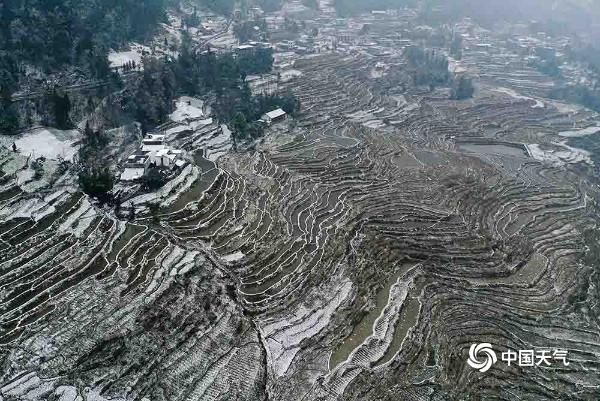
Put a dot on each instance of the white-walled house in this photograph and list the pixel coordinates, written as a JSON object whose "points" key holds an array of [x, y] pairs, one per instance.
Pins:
{"points": [[164, 158], [153, 152]]}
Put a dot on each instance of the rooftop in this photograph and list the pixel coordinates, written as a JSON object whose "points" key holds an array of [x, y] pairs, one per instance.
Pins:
{"points": [[275, 113]]}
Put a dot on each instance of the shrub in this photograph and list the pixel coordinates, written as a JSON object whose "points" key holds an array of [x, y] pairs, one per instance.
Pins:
{"points": [[97, 182]]}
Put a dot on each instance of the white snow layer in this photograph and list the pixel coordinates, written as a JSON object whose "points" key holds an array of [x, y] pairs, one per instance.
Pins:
{"points": [[515, 95], [568, 155], [80, 220], [580, 132], [283, 337], [234, 257], [187, 108], [49, 143]]}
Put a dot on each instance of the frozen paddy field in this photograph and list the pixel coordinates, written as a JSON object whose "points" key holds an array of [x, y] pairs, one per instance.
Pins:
{"points": [[44, 142], [360, 249]]}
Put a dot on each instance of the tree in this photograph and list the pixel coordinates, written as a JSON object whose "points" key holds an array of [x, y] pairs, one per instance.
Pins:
{"points": [[150, 98], [93, 144], [131, 211], [38, 167], [97, 182], [9, 119], [426, 66], [51, 33], [154, 209], [153, 179], [456, 47], [61, 107], [246, 31], [239, 125], [258, 61], [462, 88]]}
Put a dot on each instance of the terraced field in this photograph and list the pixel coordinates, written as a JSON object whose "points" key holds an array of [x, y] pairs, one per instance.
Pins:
{"points": [[356, 254]]}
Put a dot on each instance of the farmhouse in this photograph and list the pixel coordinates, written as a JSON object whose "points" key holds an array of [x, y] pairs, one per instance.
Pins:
{"points": [[153, 142], [164, 158], [153, 152], [274, 116]]}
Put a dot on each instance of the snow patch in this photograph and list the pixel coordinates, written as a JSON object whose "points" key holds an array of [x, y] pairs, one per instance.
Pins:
{"points": [[187, 108], [166, 189], [217, 144], [193, 126], [283, 337], [29, 387], [579, 133], [120, 58], [515, 95], [234, 257], [33, 208], [67, 393], [454, 66], [288, 75], [49, 143], [80, 220], [557, 158], [25, 176]]}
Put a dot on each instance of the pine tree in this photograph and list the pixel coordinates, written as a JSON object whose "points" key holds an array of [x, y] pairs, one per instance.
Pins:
{"points": [[61, 106]]}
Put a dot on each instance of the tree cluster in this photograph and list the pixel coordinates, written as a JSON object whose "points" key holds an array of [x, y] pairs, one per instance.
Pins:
{"points": [[96, 181], [9, 118], [61, 107], [427, 67], [223, 7], [257, 61], [95, 176], [244, 122], [547, 62], [130, 66], [149, 99], [153, 179], [246, 31], [455, 47], [588, 96], [52, 33], [462, 88], [192, 20]]}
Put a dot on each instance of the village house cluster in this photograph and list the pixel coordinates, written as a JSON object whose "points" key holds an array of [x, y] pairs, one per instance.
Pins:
{"points": [[153, 153]]}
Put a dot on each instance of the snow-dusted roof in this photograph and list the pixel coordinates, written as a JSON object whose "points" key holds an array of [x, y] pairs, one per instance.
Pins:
{"points": [[275, 114], [153, 148]]}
